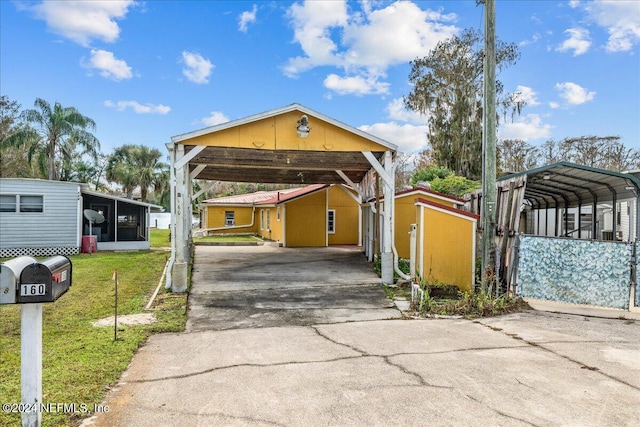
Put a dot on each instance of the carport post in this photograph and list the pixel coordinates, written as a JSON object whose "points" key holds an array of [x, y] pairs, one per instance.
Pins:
{"points": [[179, 210], [387, 175]]}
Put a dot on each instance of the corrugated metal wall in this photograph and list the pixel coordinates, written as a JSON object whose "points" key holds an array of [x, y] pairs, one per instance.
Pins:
{"points": [[56, 227]]}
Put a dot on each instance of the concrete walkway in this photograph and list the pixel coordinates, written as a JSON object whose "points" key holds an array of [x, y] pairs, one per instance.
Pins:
{"points": [[525, 369]]}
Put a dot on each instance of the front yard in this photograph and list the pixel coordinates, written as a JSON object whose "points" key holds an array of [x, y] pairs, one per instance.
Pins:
{"points": [[80, 361]]}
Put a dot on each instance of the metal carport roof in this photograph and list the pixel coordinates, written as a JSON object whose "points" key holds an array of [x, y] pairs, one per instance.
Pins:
{"points": [[566, 184]]}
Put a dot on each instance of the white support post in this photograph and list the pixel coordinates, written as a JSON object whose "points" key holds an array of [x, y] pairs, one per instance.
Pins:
{"points": [[31, 362], [385, 171], [412, 251], [179, 270]]}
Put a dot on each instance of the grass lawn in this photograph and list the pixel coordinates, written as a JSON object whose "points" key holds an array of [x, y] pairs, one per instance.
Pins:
{"points": [[159, 238], [80, 362]]}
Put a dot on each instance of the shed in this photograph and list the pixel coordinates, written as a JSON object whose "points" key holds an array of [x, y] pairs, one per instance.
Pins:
{"points": [[446, 244], [42, 218], [405, 213]]}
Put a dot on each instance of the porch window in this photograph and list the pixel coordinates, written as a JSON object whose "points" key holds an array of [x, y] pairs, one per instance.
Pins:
{"points": [[229, 219], [268, 220], [261, 219], [331, 221]]}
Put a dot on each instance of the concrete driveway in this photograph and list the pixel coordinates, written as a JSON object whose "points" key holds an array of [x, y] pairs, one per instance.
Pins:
{"points": [[260, 286], [525, 369]]}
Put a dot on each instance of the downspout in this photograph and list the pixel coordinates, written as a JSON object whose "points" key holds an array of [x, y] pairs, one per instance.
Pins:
{"points": [[392, 207], [400, 273]]}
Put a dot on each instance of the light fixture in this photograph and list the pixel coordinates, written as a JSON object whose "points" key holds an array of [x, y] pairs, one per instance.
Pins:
{"points": [[303, 127]]}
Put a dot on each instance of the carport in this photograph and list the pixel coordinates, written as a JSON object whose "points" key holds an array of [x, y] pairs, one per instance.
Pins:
{"points": [[288, 145], [562, 223]]}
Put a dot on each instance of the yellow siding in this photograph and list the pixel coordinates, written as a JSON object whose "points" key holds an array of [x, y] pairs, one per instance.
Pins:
{"points": [[279, 133], [215, 217], [448, 253], [346, 217], [275, 225], [307, 221], [405, 215]]}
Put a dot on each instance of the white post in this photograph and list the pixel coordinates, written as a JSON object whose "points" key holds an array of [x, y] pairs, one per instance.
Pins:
{"points": [[180, 266], [387, 244], [412, 251], [31, 362]]}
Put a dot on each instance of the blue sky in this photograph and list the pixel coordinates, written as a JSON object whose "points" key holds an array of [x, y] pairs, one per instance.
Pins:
{"points": [[148, 70]]}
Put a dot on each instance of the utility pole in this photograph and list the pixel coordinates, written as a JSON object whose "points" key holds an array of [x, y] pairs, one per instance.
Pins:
{"points": [[489, 193]]}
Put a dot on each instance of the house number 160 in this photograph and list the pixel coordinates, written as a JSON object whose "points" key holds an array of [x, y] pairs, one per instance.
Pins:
{"points": [[32, 290]]}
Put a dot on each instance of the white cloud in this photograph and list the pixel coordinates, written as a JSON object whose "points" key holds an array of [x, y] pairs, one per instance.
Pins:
{"points": [[527, 128], [574, 94], [574, 3], [554, 105], [247, 18], [357, 85], [137, 107], [363, 44], [527, 95], [578, 41], [83, 21], [409, 138], [197, 69], [215, 118], [397, 111], [621, 19], [410, 135], [109, 66]]}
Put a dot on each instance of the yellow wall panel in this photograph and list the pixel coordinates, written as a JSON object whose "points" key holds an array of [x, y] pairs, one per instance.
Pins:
{"points": [[347, 212], [243, 214], [307, 221], [448, 254]]}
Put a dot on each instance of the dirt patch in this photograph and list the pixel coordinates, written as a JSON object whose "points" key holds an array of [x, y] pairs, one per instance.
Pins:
{"points": [[127, 319]]}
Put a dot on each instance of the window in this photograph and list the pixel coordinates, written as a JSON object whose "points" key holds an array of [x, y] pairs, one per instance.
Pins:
{"points": [[331, 221], [261, 219], [31, 204], [229, 218], [268, 220], [278, 213], [7, 203], [21, 203]]}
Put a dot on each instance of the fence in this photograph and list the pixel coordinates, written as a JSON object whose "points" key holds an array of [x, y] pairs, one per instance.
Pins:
{"points": [[575, 271]]}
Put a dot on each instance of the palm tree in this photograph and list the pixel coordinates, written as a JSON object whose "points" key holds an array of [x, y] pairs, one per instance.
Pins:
{"points": [[134, 166], [53, 135]]}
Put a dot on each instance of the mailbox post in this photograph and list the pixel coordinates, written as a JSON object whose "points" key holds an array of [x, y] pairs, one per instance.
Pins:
{"points": [[30, 283]]}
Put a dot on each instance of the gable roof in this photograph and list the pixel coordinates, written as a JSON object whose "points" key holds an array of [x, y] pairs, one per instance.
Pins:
{"points": [[425, 190], [267, 148], [265, 197], [277, 112], [287, 197]]}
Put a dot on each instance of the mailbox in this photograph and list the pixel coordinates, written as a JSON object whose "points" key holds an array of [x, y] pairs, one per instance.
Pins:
{"points": [[10, 278], [45, 281]]}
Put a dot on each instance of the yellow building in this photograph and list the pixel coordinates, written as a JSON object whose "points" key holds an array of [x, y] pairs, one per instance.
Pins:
{"points": [[315, 215], [446, 244], [405, 213]]}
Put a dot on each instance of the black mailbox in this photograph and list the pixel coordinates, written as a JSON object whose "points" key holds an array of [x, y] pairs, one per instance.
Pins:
{"points": [[44, 281]]}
